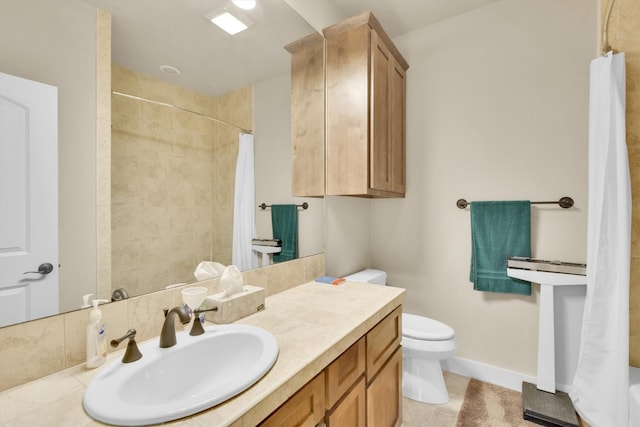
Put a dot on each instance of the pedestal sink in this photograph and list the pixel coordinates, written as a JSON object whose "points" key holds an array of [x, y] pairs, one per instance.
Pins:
{"points": [[540, 407], [266, 252], [197, 373]]}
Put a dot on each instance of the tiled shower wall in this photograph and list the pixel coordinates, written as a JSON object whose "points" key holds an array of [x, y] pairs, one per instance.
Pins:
{"points": [[172, 176]]}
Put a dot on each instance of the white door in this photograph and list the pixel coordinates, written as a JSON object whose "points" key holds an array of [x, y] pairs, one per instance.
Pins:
{"points": [[28, 200]]}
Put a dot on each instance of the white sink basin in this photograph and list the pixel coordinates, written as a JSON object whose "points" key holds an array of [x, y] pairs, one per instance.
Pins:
{"points": [[197, 373]]}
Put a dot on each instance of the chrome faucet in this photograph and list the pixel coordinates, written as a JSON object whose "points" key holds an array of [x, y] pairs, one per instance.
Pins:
{"points": [[168, 334]]}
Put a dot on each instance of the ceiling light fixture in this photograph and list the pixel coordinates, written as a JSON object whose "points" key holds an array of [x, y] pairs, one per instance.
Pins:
{"points": [[245, 4], [231, 22]]}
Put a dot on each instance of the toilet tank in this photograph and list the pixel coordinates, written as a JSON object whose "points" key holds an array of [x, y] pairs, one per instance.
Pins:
{"points": [[375, 277]]}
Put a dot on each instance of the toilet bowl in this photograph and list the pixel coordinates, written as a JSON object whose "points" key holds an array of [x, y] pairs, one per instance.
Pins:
{"points": [[425, 342]]}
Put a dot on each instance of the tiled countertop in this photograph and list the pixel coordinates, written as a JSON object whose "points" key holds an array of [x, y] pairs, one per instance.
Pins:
{"points": [[313, 323]]}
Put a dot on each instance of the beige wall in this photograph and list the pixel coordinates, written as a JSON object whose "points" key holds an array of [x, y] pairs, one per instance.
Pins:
{"points": [[497, 109], [56, 45], [623, 37], [272, 102], [172, 181]]}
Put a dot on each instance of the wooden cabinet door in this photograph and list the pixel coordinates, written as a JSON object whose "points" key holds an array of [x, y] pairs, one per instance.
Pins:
{"points": [[343, 372], [351, 411], [382, 341], [380, 161], [384, 394], [397, 120], [387, 161], [303, 409], [347, 113], [307, 116]]}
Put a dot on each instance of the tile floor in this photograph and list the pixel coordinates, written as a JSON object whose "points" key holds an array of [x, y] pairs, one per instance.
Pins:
{"points": [[417, 414]]}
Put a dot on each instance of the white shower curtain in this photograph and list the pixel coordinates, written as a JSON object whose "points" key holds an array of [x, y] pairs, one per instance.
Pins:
{"points": [[244, 224], [600, 387]]}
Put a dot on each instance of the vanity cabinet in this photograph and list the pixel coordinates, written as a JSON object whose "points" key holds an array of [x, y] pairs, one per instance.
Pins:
{"points": [[307, 116], [365, 80], [361, 387]]}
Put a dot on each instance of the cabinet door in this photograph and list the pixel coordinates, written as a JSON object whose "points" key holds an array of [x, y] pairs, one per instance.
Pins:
{"points": [[397, 120], [382, 341], [347, 80], [384, 394], [303, 409], [343, 372], [307, 116], [388, 119], [351, 410], [380, 162]]}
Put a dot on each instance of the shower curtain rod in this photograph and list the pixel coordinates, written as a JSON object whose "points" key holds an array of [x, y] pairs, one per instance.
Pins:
{"points": [[606, 47], [564, 202], [184, 110]]}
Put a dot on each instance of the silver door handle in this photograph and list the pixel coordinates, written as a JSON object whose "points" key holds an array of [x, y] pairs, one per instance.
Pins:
{"points": [[44, 268]]}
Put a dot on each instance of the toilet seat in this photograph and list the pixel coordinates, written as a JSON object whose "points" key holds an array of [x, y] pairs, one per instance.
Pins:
{"points": [[423, 328]]}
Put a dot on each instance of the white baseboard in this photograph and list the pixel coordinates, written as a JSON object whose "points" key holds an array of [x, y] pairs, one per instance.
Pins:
{"points": [[491, 374]]}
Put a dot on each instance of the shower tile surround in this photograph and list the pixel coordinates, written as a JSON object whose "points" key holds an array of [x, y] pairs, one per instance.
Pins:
{"points": [[173, 171], [35, 349]]}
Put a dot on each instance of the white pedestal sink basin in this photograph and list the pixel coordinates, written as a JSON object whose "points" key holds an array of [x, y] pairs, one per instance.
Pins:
{"points": [[546, 322], [197, 373], [266, 252]]}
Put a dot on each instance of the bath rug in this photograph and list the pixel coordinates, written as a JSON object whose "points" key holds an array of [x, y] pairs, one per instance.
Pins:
{"points": [[491, 405], [487, 404]]}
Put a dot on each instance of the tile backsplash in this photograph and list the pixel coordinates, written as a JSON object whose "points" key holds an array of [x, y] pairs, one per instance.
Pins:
{"points": [[32, 350]]}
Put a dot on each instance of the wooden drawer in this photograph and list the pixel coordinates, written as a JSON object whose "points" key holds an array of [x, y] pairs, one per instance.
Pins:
{"points": [[382, 340], [384, 394], [303, 409], [343, 372], [351, 411]]}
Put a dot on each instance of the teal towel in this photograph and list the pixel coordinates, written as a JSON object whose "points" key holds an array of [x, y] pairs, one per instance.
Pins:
{"points": [[284, 221], [499, 230]]}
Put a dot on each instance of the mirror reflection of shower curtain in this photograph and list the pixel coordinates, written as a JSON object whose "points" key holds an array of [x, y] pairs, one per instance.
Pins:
{"points": [[244, 222], [600, 387]]}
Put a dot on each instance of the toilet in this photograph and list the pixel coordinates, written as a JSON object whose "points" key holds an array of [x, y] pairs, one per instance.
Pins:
{"points": [[425, 342]]}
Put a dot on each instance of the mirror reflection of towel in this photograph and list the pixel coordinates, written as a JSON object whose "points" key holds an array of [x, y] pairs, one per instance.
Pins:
{"points": [[499, 230], [284, 221]]}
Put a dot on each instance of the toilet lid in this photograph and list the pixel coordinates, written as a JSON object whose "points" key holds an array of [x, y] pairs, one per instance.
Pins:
{"points": [[423, 328]]}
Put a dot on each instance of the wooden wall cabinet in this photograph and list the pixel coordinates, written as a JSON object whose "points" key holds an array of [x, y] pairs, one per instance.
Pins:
{"points": [[307, 116], [348, 112], [365, 79], [361, 388]]}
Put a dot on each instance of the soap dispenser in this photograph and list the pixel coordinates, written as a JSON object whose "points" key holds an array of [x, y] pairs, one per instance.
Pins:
{"points": [[96, 337]]}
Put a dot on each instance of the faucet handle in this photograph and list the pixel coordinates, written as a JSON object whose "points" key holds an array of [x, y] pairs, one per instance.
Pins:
{"points": [[197, 328], [132, 353]]}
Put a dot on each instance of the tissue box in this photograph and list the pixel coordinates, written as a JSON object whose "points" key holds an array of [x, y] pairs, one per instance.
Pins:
{"points": [[236, 306]]}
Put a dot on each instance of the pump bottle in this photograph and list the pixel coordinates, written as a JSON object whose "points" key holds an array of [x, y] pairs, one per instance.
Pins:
{"points": [[96, 337]]}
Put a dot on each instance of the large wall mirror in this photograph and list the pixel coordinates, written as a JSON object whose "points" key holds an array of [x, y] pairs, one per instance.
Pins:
{"points": [[171, 190]]}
